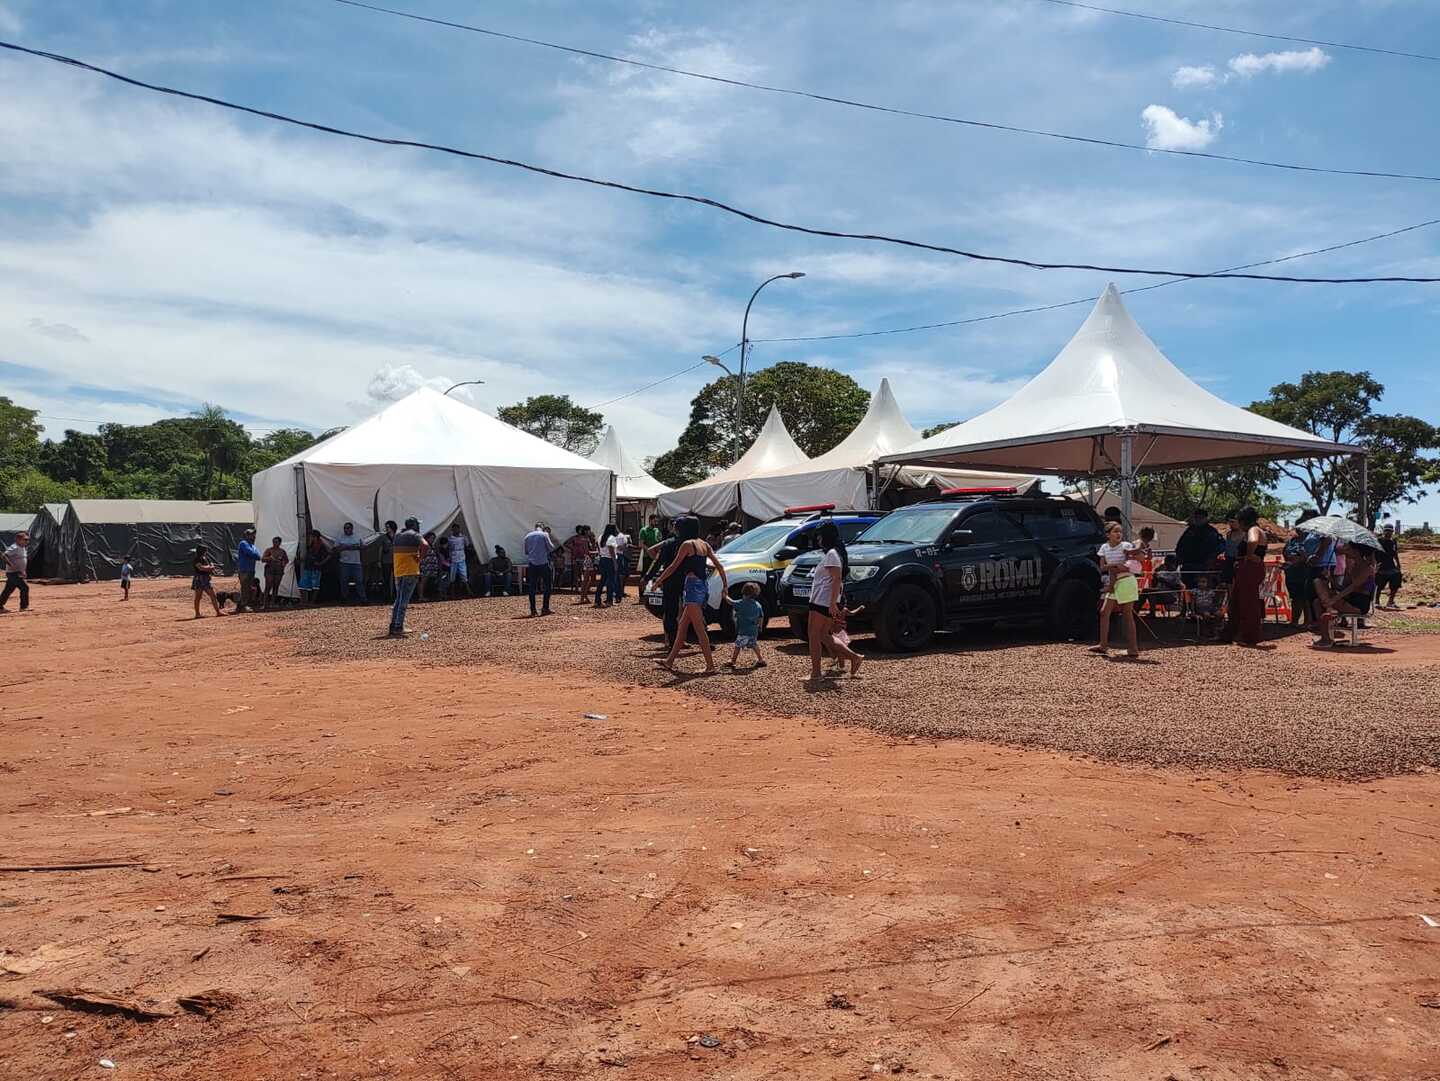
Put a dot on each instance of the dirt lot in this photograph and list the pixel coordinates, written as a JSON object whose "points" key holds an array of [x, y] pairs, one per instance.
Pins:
{"points": [[449, 871]]}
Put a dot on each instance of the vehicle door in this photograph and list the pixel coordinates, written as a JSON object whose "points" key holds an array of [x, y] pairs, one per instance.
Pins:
{"points": [[991, 566]]}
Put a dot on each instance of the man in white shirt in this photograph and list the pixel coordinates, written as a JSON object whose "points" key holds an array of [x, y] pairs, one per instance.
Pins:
{"points": [[459, 568], [539, 547], [17, 558], [622, 559]]}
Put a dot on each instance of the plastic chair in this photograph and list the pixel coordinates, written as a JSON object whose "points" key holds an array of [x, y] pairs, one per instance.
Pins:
{"points": [[1274, 595]]}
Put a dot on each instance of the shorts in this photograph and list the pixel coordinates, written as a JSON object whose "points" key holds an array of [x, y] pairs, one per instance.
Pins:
{"points": [[1388, 580], [310, 579], [697, 591], [821, 609], [200, 581], [747, 641], [124, 583], [843, 637], [1359, 600], [1125, 590]]}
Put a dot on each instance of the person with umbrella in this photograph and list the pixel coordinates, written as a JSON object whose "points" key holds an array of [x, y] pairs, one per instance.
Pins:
{"points": [[1351, 593]]}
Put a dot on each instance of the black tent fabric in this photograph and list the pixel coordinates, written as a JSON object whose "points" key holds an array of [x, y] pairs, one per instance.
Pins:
{"points": [[44, 553], [159, 537]]}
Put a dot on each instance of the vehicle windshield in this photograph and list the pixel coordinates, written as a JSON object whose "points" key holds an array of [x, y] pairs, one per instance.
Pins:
{"points": [[923, 525], [760, 539]]}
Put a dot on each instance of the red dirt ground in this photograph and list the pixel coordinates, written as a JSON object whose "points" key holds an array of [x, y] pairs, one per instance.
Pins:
{"points": [[464, 877]]}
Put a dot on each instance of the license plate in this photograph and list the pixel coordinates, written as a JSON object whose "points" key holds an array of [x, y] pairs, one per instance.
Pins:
{"points": [[801, 589], [655, 602]]}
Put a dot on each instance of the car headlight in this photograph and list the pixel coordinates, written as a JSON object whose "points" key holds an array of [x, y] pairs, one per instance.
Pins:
{"points": [[859, 574]]}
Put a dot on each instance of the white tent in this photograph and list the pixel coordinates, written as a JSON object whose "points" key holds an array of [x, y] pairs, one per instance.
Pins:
{"points": [[1167, 529], [1111, 404], [773, 449], [632, 483], [840, 475], [433, 458]]}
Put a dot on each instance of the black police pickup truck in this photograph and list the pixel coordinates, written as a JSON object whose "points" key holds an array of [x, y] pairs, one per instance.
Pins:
{"points": [[975, 556]]}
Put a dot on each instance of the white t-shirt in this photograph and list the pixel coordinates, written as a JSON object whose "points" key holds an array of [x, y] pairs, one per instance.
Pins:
{"points": [[622, 543], [456, 546], [823, 590], [611, 547], [1116, 555]]}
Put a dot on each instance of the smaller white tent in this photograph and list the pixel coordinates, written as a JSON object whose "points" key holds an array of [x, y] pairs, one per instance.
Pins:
{"points": [[841, 475], [773, 449], [1167, 529], [433, 458], [632, 483]]}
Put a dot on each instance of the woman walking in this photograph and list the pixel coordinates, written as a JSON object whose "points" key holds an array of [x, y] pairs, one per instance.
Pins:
{"points": [[1247, 610], [607, 560], [693, 558], [204, 568], [825, 596], [1123, 591]]}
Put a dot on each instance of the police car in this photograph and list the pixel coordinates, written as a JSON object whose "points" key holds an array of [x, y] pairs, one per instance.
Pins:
{"points": [[975, 556], [762, 553]]}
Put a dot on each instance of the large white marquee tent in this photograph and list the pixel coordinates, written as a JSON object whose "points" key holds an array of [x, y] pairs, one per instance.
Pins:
{"points": [[718, 495], [433, 458], [1109, 405]]}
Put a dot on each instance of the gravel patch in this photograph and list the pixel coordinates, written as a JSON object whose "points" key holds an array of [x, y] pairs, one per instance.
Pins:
{"points": [[1203, 707]]}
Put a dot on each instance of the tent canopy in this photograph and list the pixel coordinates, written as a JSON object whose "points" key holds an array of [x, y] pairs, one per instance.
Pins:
{"points": [[1167, 529], [773, 449], [433, 458], [632, 483], [184, 511], [839, 476], [157, 536], [1108, 383]]}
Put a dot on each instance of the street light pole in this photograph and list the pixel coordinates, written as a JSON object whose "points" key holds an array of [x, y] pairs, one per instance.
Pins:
{"points": [[745, 350], [466, 383]]}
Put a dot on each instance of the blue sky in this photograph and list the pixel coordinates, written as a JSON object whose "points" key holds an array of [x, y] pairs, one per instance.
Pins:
{"points": [[155, 253]]}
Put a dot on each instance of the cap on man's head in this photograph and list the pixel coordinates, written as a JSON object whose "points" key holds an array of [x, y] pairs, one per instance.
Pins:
{"points": [[412, 523], [1388, 528], [250, 531]]}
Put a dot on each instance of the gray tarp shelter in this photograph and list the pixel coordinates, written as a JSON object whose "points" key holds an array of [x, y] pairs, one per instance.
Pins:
{"points": [[158, 535], [44, 558], [1110, 405], [10, 524]]}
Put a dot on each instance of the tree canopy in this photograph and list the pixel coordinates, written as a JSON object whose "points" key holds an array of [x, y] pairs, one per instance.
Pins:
{"points": [[820, 406], [556, 419]]}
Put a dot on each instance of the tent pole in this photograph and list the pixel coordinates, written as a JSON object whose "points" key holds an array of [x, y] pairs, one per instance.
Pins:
{"points": [[1364, 507], [1127, 477]]}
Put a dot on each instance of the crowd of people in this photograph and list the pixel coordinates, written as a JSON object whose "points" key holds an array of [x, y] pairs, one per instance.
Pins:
{"points": [[1210, 573]]}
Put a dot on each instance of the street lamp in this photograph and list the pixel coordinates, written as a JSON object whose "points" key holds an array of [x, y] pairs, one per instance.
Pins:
{"points": [[744, 355], [466, 383]]}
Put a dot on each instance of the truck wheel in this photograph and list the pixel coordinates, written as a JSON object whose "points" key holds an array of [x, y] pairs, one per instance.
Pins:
{"points": [[1073, 610], [907, 619], [800, 627]]}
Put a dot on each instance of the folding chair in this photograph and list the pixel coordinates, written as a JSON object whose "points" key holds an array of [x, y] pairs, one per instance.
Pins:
{"points": [[1274, 596]]}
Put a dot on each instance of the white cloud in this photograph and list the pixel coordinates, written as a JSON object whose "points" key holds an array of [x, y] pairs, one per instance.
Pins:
{"points": [[9, 21], [1167, 130], [61, 332], [394, 381], [1304, 60], [1189, 75]]}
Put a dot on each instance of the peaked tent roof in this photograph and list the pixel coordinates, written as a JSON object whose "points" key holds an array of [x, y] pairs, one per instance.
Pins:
{"points": [[631, 480], [882, 430], [427, 428], [1108, 380], [773, 449]]}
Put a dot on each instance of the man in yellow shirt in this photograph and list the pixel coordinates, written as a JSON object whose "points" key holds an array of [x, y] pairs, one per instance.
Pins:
{"points": [[409, 546]]}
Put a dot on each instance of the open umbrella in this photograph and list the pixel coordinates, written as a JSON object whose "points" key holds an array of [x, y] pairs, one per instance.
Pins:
{"points": [[1342, 529]]}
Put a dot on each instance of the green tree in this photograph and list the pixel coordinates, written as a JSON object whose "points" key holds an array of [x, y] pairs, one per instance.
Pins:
{"points": [[79, 457], [820, 405], [556, 419], [936, 429], [23, 490], [1220, 491], [19, 435], [1398, 465], [1327, 404]]}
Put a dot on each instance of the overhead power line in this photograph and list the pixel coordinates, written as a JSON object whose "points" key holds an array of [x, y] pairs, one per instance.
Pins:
{"points": [[1091, 299], [1113, 144], [1243, 33], [699, 200]]}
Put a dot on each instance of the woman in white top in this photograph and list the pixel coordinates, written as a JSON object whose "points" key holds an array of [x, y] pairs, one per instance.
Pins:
{"points": [[1122, 590], [825, 592]]}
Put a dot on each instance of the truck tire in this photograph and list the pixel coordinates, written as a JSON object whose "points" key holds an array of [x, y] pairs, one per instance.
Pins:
{"points": [[907, 620], [1073, 614]]}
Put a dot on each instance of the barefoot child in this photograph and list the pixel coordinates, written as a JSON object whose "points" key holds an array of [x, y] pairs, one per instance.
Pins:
{"points": [[842, 634], [275, 557], [748, 612], [125, 572]]}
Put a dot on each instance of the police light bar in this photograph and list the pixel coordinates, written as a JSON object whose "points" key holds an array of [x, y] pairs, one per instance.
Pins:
{"points": [[980, 491], [810, 509]]}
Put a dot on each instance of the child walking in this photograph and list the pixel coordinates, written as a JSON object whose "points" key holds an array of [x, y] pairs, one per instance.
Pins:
{"points": [[841, 635], [1123, 590], [126, 570], [275, 558], [748, 613]]}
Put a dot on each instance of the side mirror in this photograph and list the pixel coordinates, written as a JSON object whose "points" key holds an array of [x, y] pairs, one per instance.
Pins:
{"points": [[787, 553], [959, 538]]}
